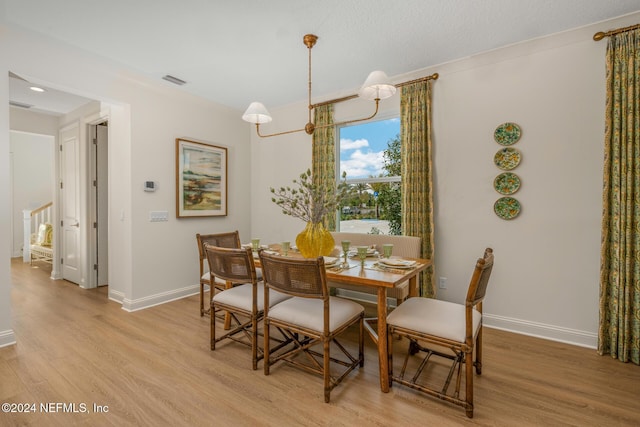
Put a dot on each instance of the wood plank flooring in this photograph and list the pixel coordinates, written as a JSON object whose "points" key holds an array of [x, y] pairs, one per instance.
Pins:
{"points": [[154, 368]]}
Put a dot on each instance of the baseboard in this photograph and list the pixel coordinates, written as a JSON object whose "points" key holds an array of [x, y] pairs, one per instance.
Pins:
{"points": [[153, 300], [541, 330], [116, 296], [524, 327], [7, 338]]}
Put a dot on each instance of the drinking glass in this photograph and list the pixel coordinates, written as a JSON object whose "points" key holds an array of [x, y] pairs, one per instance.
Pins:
{"points": [[345, 251], [387, 250], [285, 248], [362, 254], [255, 244]]}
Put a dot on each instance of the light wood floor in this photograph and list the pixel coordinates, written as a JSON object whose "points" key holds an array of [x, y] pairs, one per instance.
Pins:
{"points": [[154, 368]]}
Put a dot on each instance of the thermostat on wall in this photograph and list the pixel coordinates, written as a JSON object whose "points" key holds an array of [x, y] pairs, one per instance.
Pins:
{"points": [[150, 186]]}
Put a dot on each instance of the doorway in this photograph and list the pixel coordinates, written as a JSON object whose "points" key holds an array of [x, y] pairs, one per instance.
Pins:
{"points": [[99, 200]]}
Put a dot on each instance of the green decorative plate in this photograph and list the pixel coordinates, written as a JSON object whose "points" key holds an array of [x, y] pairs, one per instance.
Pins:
{"points": [[507, 207], [506, 183], [507, 133], [507, 158]]}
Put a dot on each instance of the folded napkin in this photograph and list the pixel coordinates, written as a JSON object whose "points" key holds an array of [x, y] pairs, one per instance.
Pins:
{"points": [[329, 260], [397, 262], [248, 245]]}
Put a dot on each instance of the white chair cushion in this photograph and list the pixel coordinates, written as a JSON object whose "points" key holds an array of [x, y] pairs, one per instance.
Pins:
{"points": [[205, 277], [240, 297], [309, 312], [434, 317]]}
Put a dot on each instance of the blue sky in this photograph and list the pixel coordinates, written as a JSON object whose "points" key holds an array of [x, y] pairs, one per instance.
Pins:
{"points": [[362, 145]]}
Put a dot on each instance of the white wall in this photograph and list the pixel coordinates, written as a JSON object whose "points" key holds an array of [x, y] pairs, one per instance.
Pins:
{"points": [[150, 263], [32, 178], [24, 120], [545, 280], [7, 335]]}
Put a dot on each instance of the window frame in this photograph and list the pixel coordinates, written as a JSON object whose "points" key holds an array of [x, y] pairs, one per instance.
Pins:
{"points": [[355, 181]]}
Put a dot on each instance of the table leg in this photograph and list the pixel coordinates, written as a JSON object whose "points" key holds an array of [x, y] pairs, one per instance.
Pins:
{"points": [[383, 358], [413, 286]]}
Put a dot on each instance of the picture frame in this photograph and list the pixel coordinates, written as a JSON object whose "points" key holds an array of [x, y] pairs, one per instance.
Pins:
{"points": [[201, 179]]}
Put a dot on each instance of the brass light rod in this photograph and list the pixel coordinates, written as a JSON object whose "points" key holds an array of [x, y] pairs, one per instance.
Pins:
{"points": [[433, 76], [600, 35]]}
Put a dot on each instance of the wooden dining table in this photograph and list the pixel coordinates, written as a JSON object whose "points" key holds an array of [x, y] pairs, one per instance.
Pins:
{"points": [[380, 278]]}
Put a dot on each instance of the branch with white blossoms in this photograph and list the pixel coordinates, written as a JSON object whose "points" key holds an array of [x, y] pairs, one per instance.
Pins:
{"points": [[311, 202]]}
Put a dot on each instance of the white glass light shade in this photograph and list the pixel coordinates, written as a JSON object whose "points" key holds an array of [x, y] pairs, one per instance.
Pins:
{"points": [[256, 113], [377, 86]]}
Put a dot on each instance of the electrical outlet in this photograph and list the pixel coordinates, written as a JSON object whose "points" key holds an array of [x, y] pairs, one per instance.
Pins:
{"points": [[442, 283]]}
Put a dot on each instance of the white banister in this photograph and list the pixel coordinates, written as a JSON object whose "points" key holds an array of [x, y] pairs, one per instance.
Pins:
{"points": [[32, 220]]}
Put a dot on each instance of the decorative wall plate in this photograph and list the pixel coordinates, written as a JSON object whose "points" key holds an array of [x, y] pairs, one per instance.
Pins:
{"points": [[506, 183], [507, 134], [507, 158], [507, 207]]}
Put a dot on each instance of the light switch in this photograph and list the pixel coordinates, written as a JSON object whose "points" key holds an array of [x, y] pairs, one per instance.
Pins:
{"points": [[158, 216]]}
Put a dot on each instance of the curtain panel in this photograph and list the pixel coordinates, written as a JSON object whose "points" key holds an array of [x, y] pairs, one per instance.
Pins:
{"points": [[619, 325], [416, 171], [323, 155]]}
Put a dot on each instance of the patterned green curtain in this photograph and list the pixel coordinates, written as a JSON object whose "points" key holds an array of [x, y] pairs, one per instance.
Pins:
{"points": [[323, 156], [417, 188], [619, 329]]}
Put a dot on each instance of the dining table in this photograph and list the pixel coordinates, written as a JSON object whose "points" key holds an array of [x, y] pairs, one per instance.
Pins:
{"points": [[372, 273]]}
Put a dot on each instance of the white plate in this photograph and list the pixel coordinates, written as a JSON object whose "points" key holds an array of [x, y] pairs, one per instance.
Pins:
{"points": [[397, 263], [329, 261], [370, 253]]}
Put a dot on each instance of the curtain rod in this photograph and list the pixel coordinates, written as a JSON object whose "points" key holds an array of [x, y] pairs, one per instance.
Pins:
{"points": [[433, 76], [600, 35]]}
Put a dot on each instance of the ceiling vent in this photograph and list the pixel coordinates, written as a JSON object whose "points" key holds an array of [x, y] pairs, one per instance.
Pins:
{"points": [[174, 80], [19, 104]]}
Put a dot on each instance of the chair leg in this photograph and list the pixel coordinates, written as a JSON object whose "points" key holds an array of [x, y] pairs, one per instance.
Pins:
{"points": [[327, 372], [213, 328], [361, 338], [201, 299], [266, 346], [390, 356], [479, 352], [469, 383], [254, 341]]}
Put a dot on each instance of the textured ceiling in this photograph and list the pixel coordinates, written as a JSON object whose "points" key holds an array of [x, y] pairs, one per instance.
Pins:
{"points": [[234, 52]]}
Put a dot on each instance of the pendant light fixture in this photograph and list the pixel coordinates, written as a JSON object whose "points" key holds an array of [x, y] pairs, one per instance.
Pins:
{"points": [[375, 88]]}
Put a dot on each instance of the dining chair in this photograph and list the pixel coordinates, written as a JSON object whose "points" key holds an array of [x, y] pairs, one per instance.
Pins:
{"points": [[456, 329], [309, 318], [243, 302], [224, 240]]}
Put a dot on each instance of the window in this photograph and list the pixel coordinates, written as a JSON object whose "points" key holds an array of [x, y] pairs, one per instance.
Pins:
{"points": [[370, 155]]}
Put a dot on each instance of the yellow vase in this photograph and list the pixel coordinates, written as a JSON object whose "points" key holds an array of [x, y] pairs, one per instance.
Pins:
{"points": [[315, 241]]}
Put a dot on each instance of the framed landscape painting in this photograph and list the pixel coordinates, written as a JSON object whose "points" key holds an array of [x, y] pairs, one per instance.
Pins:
{"points": [[201, 179]]}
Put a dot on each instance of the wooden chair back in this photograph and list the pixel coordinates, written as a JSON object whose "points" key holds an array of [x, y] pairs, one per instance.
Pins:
{"points": [[231, 264], [295, 276], [480, 279], [229, 239]]}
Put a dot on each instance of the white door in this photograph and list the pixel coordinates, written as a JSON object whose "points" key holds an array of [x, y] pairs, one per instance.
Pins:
{"points": [[71, 256]]}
